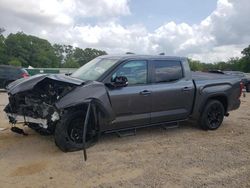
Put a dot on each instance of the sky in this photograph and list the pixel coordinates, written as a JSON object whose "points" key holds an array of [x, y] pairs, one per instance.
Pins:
{"points": [[206, 30]]}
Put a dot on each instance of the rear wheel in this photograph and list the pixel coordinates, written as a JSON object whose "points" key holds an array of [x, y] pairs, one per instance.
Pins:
{"points": [[69, 132], [212, 115]]}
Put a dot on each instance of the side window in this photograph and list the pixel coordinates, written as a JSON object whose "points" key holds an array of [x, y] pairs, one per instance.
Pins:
{"points": [[167, 71], [135, 71]]}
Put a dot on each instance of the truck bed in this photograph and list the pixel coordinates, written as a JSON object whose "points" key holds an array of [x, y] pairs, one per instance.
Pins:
{"points": [[209, 76]]}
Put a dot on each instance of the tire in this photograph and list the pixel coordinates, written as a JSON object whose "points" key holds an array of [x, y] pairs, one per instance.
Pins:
{"points": [[248, 87], [42, 131], [212, 116], [69, 130]]}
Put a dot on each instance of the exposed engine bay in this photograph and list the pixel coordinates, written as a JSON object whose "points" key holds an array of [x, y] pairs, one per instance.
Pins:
{"points": [[38, 105], [69, 108]]}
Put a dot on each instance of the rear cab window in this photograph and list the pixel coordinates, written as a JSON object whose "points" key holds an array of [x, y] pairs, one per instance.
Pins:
{"points": [[166, 71]]}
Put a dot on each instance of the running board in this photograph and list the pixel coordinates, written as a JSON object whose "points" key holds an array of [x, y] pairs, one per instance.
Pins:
{"points": [[126, 133], [170, 126]]}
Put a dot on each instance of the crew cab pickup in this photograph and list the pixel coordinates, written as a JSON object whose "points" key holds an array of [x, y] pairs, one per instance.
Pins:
{"points": [[118, 93]]}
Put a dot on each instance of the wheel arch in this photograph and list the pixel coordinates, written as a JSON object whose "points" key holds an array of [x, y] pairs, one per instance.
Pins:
{"points": [[219, 97], [94, 92], [63, 138], [100, 116]]}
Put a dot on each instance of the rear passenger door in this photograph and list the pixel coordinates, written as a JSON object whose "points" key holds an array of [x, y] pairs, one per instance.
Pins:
{"points": [[172, 94]]}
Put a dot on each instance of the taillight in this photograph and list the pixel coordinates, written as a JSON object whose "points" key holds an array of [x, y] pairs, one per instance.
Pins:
{"points": [[25, 75], [241, 88]]}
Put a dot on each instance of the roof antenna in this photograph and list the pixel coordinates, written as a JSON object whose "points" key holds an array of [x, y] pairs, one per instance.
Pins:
{"points": [[130, 53], [162, 53]]}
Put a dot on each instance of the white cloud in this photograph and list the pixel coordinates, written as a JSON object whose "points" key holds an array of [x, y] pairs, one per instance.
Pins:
{"points": [[100, 8], [216, 54], [221, 35], [56, 13]]}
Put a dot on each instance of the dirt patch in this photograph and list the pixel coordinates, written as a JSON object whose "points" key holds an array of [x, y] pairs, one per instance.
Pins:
{"points": [[29, 169], [181, 157]]}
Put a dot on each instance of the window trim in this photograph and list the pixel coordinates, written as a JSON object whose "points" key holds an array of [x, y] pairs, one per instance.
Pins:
{"points": [[153, 75]]}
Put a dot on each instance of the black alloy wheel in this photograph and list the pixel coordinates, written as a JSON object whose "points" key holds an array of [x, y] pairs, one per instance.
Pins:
{"points": [[212, 115]]}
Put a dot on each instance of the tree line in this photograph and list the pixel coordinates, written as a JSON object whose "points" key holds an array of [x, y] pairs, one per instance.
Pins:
{"points": [[26, 50], [233, 64], [23, 50]]}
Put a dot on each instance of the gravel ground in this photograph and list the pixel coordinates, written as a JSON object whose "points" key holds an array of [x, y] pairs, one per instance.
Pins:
{"points": [[180, 157]]}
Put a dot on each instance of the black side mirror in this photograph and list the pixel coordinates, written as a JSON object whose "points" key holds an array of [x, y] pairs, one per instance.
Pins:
{"points": [[120, 81]]}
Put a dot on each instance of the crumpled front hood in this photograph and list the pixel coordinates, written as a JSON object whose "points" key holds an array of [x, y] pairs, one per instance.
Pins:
{"points": [[25, 84]]}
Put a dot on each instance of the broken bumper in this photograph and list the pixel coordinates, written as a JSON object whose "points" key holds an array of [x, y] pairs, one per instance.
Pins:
{"points": [[43, 123]]}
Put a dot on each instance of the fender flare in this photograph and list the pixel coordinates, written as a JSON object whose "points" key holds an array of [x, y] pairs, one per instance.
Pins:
{"points": [[94, 91], [210, 96]]}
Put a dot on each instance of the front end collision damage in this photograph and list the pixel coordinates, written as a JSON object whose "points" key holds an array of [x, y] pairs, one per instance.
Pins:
{"points": [[42, 99], [92, 90]]}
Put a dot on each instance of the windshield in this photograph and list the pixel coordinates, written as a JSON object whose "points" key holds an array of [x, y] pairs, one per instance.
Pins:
{"points": [[93, 69]]}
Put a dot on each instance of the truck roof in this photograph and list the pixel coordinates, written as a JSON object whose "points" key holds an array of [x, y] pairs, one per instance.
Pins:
{"points": [[135, 56]]}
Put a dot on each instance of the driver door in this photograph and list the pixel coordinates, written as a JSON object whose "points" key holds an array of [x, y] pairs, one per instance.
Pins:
{"points": [[131, 104]]}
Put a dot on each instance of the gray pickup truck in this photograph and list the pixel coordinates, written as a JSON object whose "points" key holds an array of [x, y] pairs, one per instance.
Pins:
{"points": [[120, 93]]}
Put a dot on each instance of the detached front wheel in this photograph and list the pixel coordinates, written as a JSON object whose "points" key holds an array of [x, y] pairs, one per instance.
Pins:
{"points": [[69, 132], [212, 115]]}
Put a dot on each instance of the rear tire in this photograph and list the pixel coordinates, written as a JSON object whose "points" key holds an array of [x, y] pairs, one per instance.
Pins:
{"points": [[69, 130], [212, 115]]}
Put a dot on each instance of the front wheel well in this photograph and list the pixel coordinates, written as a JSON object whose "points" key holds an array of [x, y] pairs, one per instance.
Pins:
{"points": [[69, 136], [96, 115], [80, 107]]}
